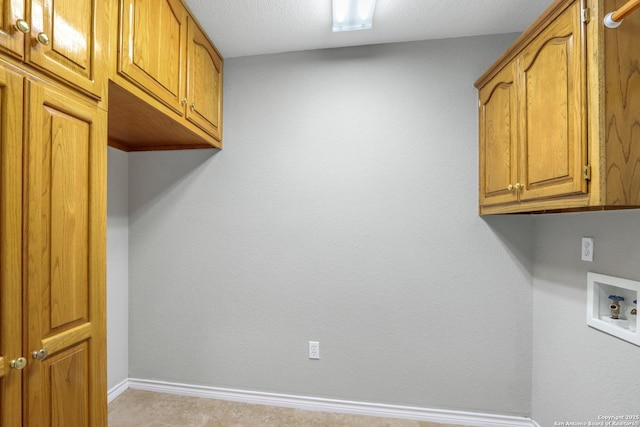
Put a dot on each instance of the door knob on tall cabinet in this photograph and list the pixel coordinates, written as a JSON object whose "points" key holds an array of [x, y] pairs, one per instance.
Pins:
{"points": [[18, 364], [40, 354]]}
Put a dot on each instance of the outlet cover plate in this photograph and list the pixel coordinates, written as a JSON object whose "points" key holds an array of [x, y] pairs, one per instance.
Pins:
{"points": [[586, 249], [314, 350]]}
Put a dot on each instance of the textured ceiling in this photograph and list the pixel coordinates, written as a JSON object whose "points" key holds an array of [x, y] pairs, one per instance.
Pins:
{"points": [[254, 27]]}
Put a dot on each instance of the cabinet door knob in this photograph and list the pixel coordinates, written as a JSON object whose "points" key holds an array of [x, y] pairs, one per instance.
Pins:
{"points": [[193, 106], [19, 363], [510, 187], [40, 354], [22, 26], [519, 186], [43, 39], [184, 101]]}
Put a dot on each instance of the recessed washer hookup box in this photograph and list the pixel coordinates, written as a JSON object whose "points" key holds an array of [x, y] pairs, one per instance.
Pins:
{"points": [[612, 306]]}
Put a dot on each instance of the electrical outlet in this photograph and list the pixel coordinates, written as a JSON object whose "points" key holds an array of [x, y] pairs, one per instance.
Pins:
{"points": [[314, 350], [587, 248]]}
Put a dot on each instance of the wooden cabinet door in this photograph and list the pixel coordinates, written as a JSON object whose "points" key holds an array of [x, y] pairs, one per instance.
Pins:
{"points": [[11, 40], [10, 247], [65, 256], [498, 138], [152, 43], [552, 110], [204, 84], [70, 27]]}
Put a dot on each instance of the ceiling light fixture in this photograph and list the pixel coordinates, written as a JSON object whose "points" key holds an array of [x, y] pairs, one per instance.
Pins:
{"points": [[352, 14]]}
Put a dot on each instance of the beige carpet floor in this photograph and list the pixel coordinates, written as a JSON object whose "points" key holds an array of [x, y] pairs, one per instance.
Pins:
{"points": [[136, 408]]}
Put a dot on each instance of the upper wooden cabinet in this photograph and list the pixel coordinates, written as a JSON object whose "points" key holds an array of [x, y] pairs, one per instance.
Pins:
{"points": [[545, 116], [60, 38], [167, 85]]}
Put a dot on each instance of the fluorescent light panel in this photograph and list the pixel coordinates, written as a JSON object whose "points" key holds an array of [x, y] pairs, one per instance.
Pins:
{"points": [[351, 15]]}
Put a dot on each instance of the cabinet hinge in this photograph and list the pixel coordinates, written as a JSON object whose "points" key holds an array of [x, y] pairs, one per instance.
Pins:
{"points": [[586, 15], [586, 172]]}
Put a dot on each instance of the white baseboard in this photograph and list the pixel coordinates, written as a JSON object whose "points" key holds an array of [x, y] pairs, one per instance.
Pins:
{"points": [[117, 390], [326, 405]]}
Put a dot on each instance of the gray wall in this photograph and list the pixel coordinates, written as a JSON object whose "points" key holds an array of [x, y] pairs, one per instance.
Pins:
{"points": [[580, 373], [117, 268], [342, 209]]}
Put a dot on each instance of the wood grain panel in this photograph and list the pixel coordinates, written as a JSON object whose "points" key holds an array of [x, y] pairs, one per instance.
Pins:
{"points": [[204, 83], [547, 94], [552, 94], [498, 139], [156, 42], [68, 338], [69, 387], [622, 131], [70, 23], [69, 199], [11, 41]]}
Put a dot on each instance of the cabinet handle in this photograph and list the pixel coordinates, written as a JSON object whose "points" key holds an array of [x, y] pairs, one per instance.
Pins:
{"points": [[184, 101], [22, 26], [510, 187], [18, 364], [193, 106], [43, 39], [519, 186], [40, 354]]}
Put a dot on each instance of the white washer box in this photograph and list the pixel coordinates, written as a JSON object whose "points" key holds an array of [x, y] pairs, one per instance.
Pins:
{"points": [[599, 288]]}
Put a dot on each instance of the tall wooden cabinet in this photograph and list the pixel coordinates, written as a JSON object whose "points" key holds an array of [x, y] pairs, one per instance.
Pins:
{"points": [[53, 134], [546, 110], [65, 227], [53, 201]]}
